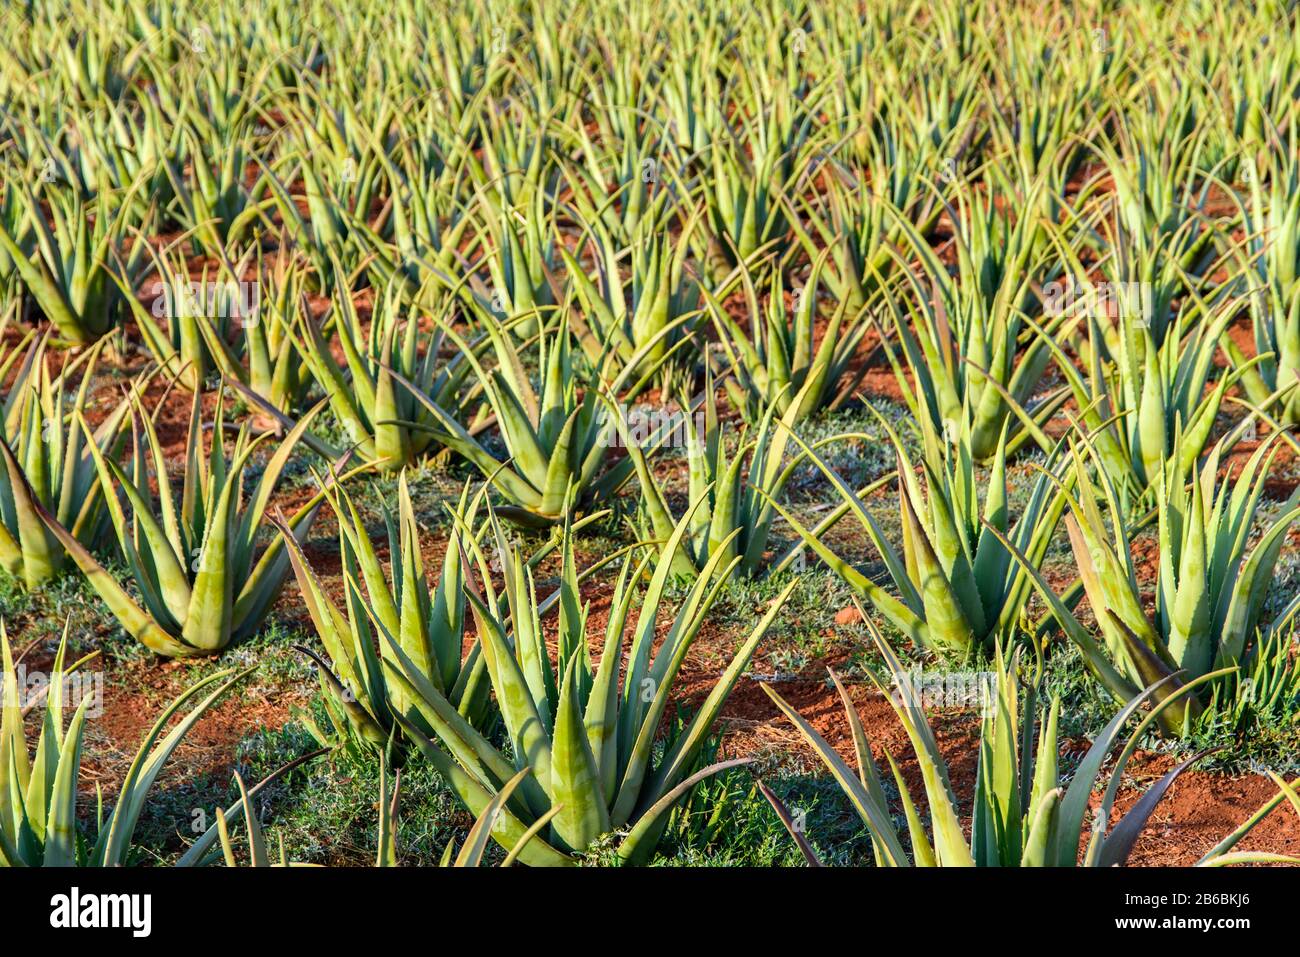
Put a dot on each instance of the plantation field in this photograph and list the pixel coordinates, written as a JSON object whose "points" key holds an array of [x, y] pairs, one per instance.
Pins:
{"points": [[685, 434]]}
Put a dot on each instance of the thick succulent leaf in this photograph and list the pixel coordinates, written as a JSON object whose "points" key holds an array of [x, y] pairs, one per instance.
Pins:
{"points": [[137, 623], [873, 813], [1118, 844], [115, 840], [950, 845], [476, 841], [61, 825], [575, 780], [787, 821]]}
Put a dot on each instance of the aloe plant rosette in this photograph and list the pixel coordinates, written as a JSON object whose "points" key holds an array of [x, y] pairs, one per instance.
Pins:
{"points": [[201, 581], [38, 804], [589, 742], [558, 438], [424, 617], [1023, 814], [958, 589], [1210, 586], [47, 462]]}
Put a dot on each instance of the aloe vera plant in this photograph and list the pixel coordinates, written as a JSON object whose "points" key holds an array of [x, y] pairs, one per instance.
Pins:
{"points": [[965, 368], [730, 501], [425, 618], [748, 171], [1270, 271], [336, 202], [13, 216], [201, 581], [589, 741], [516, 223], [858, 220], [430, 225], [1136, 406], [394, 371], [778, 362], [1023, 814], [1162, 231], [67, 273], [38, 808], [47, 464], [958, 589], [264, 357], [646, 316], [213, 204], [1210, 586], [620, 176], [196, 315], [558, 437], [1042, 134], [121, 141], [465, 64]]}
